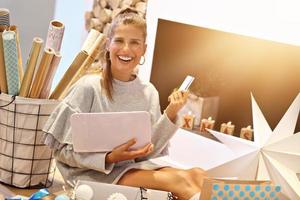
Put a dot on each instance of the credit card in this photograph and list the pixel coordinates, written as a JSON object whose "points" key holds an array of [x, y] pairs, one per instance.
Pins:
{"points": [[186, 83]]}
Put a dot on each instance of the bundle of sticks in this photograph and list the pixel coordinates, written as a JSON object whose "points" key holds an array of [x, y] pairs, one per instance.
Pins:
{"points": [[104, 11]]}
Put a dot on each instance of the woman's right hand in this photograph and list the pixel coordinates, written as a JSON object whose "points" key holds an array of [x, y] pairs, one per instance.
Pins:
{"points": [[123, 152]]}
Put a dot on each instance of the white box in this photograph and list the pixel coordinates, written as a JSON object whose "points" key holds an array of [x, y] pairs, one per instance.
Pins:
{"points": [[103, 191]]}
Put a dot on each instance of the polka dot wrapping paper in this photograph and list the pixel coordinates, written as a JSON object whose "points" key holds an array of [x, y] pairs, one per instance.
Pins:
{"points": [[239, 190], [244, 191]]}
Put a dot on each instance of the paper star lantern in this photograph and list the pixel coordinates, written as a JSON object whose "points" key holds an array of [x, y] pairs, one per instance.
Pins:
{"points": [[273, 155]]}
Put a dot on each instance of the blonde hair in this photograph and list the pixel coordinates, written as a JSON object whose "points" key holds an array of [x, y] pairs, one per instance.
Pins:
{"points": [[127, 16]]}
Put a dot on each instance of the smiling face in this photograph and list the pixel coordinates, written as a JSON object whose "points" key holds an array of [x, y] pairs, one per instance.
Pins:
{"points": [[126, 47]]}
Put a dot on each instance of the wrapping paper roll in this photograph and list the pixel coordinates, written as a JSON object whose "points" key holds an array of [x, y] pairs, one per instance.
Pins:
{"points": [[55, 35], [91, 38], [50, 75], [4, 17], [69, 74], [20, 65], [41, 73], [11, 61], [95, 50], [30, 66], [3, 82]]}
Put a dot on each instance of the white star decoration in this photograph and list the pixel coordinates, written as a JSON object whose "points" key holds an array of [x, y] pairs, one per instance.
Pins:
{"points": [[273, 155]]}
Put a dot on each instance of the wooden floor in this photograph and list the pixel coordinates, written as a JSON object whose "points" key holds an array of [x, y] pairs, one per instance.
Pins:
{"points": [[56, 188]]}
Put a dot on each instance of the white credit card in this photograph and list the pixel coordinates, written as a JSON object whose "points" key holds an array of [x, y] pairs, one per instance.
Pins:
{"points": [[186, 83]]}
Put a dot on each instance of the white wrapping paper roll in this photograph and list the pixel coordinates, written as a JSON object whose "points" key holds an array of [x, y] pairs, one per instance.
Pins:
{"points": [[90, 40], [55, 35]]}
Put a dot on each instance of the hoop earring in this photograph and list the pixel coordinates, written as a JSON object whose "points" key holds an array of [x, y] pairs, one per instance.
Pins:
{"points": [[144, 60]]}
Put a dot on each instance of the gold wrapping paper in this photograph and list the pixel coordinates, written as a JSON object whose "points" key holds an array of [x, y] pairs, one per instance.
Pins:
{"points": [[41, 73], [91, 38], [55, 35], [78, 61], [20, 65], [50, 75], [95, 49], [30, 66], [3, 82]]}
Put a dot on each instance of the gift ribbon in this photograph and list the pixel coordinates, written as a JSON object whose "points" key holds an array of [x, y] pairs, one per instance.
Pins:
{"points": [[39, 194]]}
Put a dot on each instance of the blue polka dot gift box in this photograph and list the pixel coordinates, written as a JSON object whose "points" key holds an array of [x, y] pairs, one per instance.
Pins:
{"points": [[220, 189]]}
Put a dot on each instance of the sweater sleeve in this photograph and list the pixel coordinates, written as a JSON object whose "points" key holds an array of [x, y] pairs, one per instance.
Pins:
{"points": [[94, 161], [162, 129], [79, 99], [57, 132]]}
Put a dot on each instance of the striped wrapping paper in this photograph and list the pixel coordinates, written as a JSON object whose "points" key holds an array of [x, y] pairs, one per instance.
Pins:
{"points": [[55, 35], [11, 62], [4, 17]]}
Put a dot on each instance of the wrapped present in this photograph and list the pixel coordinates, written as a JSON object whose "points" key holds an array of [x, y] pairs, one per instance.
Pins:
{"points": [[219, 189], [95, 191]]}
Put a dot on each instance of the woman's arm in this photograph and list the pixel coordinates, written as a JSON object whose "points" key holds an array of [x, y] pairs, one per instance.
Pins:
{"points": [[123, 152], [164, 127], [94, 161]]}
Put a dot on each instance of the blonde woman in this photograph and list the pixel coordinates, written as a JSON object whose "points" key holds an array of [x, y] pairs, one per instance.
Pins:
{"points": [[119, 89]]}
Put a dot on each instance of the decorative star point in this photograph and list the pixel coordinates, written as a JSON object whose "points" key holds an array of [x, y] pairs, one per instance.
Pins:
{"points": [[273, 155]]}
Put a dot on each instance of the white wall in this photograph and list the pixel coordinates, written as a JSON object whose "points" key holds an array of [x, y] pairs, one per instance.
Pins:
{"points": [[277, 20]]}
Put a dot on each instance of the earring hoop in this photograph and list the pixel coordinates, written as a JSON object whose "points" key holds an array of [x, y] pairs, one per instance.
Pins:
{"points": [[144, 60]]}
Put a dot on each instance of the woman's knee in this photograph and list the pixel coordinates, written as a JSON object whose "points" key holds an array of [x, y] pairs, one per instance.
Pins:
{"points": [[196, 172], [197, 175]]}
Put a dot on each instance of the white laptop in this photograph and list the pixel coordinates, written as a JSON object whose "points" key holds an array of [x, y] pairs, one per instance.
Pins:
{"points": [[102, 132]]}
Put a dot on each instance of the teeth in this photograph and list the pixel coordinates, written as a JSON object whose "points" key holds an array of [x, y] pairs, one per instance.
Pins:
{"points": [[125, 58]]}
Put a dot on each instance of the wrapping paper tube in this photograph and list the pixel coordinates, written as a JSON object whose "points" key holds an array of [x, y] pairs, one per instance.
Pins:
{"points": [[55, 35], [30, 66], [95, 50], [91, 38], [41, 73], [3, 83], [50, 75], [63, 83], [4, 17], [11, 61], [20, 65]]}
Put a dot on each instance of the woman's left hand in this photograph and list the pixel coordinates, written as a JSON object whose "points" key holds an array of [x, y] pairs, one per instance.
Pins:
{"points": [[177, 101]]}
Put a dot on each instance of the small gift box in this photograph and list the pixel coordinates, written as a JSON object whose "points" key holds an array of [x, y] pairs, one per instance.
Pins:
{"points": [[206, 124], [246, 133], [227, 128], [188, 121]]}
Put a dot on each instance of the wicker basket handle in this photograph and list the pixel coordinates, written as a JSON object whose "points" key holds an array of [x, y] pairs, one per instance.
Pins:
{"points": [[13, 98]]}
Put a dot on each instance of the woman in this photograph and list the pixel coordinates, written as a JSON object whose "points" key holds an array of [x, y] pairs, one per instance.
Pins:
{"points": [[119, 89]]}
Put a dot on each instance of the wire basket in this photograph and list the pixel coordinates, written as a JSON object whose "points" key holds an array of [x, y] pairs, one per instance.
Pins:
{"points": [[24, 161]]}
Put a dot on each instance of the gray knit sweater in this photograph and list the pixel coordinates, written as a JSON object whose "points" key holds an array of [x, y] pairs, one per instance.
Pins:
{"points": [[87, 96]]}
